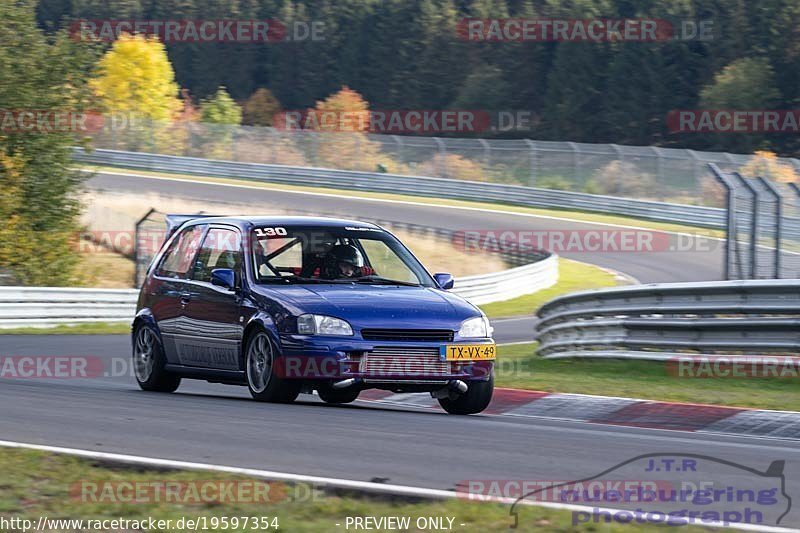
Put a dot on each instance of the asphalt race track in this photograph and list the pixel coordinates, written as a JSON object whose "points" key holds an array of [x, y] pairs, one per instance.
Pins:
{"points": [[219, 424]]}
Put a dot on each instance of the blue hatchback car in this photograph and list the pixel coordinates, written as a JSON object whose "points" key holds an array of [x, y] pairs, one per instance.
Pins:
{"points": [[286, 305]]}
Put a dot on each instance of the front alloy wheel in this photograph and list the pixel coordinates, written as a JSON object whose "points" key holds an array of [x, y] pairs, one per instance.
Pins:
{"points": [[264, 385]]}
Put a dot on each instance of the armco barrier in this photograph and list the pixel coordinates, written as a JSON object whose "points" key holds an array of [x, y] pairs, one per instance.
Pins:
{"points": [[499, 286], [412, 185], [50, 306], [664, 321]]}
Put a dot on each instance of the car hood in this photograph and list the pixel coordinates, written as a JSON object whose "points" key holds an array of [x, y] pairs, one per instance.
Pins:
{"points": [[385, 306]]}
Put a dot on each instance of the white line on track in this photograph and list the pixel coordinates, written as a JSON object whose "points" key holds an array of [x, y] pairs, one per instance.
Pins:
{"points": [[375, 488]]}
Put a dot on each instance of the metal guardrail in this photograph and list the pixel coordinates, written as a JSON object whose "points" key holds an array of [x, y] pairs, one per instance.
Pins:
{"points": [[663, 321], [709, 217], [499, 286], [50, 306]]}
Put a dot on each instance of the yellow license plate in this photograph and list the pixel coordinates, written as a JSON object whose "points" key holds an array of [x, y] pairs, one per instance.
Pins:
{"points": [[468, 352]]}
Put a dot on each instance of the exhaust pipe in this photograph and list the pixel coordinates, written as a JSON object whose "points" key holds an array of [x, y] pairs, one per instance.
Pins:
{"points": [[344, 383], [458, 385], [453, 386]]}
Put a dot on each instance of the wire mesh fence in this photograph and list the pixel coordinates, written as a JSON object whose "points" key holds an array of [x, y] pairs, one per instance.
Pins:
{"points": [[642, 172], [763, 227], [743, 231], [767, 216], [790, 234]]}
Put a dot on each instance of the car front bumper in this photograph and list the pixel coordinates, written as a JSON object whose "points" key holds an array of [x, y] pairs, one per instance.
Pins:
{"points": [[376, 363]]}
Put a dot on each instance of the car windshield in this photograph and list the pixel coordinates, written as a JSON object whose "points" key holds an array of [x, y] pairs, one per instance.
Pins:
{"points": [[322, 254]]}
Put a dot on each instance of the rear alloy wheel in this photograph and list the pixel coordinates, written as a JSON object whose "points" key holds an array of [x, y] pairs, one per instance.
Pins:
{"points": [[264, 385], [149, 361], [337, 396], [475, 400]]}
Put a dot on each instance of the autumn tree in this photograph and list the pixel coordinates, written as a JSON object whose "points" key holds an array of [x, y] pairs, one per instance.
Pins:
{"points": [[767, 165], [745, 84], [135, 77], [260, 108], [38, 203], [221, 109], [345, 117], [188, 111], [347, 108]]}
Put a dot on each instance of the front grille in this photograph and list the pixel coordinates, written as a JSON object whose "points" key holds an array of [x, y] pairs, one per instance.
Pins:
{"points": [[376, 334], [404, 363]]}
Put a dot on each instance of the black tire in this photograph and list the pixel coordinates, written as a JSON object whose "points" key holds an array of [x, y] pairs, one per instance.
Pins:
{"points": [[264, 385], [148, 362], [338, 396], [475, 400]]}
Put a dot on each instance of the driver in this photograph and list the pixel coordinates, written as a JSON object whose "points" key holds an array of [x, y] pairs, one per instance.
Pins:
{"points": [[343, 261]]}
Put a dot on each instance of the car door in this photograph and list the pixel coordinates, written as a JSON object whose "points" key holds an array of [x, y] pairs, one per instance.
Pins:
{"points": [[214, 313], [168, 287]]}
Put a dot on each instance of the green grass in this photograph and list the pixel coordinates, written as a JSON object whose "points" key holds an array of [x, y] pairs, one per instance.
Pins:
{"points": [[90, 328], [572, 276], [560, 214], [520, 368], [38, 484]]}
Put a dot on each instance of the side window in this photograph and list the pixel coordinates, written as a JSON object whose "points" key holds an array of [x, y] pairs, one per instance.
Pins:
{"points": [[221, 249], [179, 257]]}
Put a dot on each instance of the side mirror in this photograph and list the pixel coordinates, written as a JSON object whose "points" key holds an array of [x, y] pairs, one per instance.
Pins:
{"points": [[444, 280], [223, 277]]}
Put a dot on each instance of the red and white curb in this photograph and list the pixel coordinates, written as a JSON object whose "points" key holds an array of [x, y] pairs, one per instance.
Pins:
{"points": [[621, 412]]}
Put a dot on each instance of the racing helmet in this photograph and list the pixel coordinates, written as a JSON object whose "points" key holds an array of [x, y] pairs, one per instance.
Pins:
{"points": [[343, 254]]}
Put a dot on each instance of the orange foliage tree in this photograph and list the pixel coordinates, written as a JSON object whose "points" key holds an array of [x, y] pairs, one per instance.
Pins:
{"points": [[345, 118], [767, 165]]}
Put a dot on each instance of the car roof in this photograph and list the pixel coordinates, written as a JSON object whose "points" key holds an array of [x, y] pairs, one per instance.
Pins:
{"points": [[290, 221]]}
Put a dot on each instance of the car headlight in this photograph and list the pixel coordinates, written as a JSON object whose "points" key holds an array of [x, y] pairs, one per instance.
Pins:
{"points": [[477, 327], [322, 325]]}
